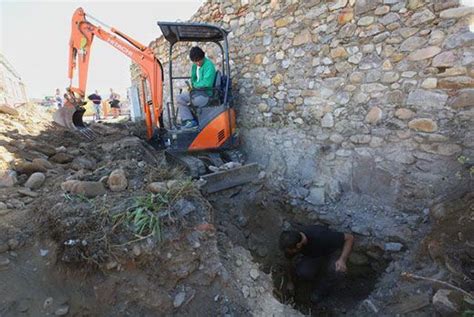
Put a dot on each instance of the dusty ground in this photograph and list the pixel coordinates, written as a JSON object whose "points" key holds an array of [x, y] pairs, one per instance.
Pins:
{"points": [[67, 253]]}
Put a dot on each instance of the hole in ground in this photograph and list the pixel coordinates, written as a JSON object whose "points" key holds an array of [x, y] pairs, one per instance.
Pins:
{"points": [[254, 220]]}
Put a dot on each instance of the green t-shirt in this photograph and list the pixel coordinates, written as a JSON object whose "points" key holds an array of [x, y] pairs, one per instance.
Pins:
{"points": [[207, 74]]}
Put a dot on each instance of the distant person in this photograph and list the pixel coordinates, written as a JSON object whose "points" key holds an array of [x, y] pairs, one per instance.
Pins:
{"points": [[203, 73], [114, 101], [96, 100], [58, 99], [316, 259]]}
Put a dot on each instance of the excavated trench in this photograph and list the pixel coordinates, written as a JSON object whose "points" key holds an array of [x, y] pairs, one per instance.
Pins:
{"points": [[254, 218]]}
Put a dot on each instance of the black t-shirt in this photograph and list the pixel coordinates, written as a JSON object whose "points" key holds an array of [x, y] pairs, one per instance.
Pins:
{"points": [[95, 98], [321, 241]]}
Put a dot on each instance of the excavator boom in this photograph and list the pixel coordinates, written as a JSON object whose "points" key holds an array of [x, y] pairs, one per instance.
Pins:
{"points": [[83, 33]]}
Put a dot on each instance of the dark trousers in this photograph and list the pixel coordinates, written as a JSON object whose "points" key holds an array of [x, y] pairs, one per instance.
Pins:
{"points": [[320, 272]]}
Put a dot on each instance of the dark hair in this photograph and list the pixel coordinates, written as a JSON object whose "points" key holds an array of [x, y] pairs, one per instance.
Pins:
{"points": [[289, 239], [196, 54]]}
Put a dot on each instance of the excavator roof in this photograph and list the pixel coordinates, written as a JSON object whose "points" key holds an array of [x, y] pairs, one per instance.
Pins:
{"points": [[191, 32]]}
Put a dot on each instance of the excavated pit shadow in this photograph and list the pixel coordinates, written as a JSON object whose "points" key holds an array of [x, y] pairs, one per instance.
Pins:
{"points": [[254, 218]]}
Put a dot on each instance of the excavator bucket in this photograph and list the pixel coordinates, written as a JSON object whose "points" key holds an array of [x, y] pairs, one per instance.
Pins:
{"points": [[70, 115]]}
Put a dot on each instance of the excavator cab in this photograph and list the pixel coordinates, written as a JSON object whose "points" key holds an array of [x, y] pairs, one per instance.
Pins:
{"points": [[216, 120]]}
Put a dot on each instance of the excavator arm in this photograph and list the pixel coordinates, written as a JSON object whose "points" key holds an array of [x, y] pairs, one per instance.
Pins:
{"points": [[80, 45]]}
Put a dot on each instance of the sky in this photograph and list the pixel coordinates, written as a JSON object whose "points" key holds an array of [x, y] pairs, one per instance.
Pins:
{"points": [[35, 37]]}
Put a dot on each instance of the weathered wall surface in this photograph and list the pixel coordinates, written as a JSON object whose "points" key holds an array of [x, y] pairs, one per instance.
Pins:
{"points": [[12, 89], [371, 96]]}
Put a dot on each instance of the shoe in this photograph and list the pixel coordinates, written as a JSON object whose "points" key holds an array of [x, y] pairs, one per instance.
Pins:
{"points": [[189, 124]]}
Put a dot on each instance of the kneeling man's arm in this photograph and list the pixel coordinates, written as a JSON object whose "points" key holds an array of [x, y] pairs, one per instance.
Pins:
{"points": [[346, 251]]}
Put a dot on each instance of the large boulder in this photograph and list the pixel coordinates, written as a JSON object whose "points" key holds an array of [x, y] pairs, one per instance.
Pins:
{"points": [[35, 180], [117, 180], [88, 189]]}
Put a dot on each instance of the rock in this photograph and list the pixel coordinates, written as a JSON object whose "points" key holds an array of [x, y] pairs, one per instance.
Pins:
{"points": [[356, 58], [365, 21], [7, 178], [13, 244], [347, 30], [4, 261], [453, 71], [254, 274], [438, 211], [48, 302], [246, 291], [327, 120], [61, 158], [389, 18], [382, 10], [8, 110], [62, 310], [316, 196], [420, 17], [429, 83], [404, 113], [456, 82], [457, 40], [28, 192], [302, 38], [35, 180], [360, 138], [157, 187], [117, 180], [179, 299], [362, 6], [338, 4], [464, 99], [80, 162], [445, 59], [338, 52], [456, 13], [441, 148], [88, 189], [447, 303], [390, 77], [424, 53], [40, 147], [427, 99], [423, 125], [374, 115], [28, 168], [42, 163], [412, 43], [393, 246], [184, 207], [345, 16]]}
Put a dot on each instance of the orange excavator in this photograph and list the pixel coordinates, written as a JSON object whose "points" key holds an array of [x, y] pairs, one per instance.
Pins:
{"points": [[209, 151]]}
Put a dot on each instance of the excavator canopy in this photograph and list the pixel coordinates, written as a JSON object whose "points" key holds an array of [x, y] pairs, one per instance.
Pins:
{"points": [[191, 32]]}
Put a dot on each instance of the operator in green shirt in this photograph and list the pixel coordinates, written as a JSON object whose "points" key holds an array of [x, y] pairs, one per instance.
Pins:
{"points": [[203, 73]]}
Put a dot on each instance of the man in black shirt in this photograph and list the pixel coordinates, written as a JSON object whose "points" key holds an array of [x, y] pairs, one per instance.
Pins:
{"points": [[317, 246]]}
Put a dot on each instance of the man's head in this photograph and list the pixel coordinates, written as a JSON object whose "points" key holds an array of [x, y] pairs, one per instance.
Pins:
{"points": [[196, 55], [291, 241], [96, 92], [58, 91]]}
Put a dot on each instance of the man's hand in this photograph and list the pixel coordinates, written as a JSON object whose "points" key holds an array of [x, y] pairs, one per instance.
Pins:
{"points": [[341, 266]]}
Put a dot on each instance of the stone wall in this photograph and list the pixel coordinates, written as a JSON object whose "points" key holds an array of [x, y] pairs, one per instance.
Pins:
{"points": [[369, 96]]}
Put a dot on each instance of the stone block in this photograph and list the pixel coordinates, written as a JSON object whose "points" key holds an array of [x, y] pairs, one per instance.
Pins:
{"points": [[117, 180], [316, 196], [456, 13], [444, 59], [424, 53], [374, 115], [459, 82], [423, 125], [404, 113], [35, 180], [427, 99], [88, 189], [464, 99], [420, 17], [429, 83], [362, 6]]}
